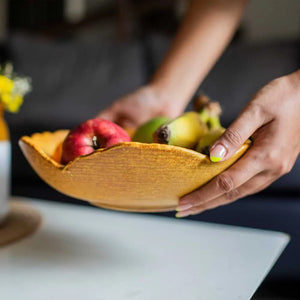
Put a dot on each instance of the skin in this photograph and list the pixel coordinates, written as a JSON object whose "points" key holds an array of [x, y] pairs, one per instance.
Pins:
{"points": [[198, 44], [270, 118]]}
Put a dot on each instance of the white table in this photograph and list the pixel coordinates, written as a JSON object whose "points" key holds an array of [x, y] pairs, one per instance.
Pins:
{"points": [[87, 253]]}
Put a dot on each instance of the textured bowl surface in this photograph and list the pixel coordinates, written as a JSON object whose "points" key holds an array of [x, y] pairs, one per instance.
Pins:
{"points": [[128, 176]]}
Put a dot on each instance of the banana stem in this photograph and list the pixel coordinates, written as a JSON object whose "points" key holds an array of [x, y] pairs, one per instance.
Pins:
{"points": [[209, 111], [204, 115], [201, 102], [162, 135], [214, 123]]}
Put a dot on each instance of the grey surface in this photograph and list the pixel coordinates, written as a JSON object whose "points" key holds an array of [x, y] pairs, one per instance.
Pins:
{"points": [[81, 253], [269, 213]]}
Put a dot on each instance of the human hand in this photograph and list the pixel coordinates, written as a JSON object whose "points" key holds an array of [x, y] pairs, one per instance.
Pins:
{"points": [[271, 118], [139, 106]]}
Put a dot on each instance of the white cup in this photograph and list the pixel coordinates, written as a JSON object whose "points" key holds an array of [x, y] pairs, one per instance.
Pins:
{"points": [[5, 163]]}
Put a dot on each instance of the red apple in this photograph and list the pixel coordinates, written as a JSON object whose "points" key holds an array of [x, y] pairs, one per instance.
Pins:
{"points": [[90, 136]]}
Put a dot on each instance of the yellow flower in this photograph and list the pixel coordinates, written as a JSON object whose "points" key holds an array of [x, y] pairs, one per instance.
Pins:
{"points": [[5, 98], [12, 102], [12, 88], [6, 85]]}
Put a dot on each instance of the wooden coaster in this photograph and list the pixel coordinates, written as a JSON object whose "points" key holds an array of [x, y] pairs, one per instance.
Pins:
{"points": [[22, 221]]}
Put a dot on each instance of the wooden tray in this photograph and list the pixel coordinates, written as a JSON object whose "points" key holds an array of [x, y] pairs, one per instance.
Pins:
{"points": [[128, 176]]}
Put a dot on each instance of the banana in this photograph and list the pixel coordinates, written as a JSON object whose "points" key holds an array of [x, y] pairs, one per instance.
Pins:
{"points": [[144, 133], [183, 131], [206, 140]]}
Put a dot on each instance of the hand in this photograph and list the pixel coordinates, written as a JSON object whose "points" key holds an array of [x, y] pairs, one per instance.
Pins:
{"points": [[140, 106], [272, 119]]}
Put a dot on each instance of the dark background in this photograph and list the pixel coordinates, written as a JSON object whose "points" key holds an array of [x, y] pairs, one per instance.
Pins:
{"points": [[82, 55]]}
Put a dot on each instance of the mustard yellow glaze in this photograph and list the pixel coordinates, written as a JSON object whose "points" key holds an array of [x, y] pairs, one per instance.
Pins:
{"points": [[128, 176], [4, 134]]}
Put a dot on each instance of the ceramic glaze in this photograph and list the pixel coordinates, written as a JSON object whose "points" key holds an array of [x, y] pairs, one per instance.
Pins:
{"points": [[5, 160], [4, 177], [128, 176]]}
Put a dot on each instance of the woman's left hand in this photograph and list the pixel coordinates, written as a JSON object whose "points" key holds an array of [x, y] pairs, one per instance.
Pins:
{"points": [[272, 119], [140, 106]]}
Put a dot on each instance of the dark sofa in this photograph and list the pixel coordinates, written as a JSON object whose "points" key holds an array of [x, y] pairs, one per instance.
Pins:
{"points": [[74, 79]]}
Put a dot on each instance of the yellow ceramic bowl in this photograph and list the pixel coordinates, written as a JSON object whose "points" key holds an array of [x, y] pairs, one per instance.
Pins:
{"points": [[128, 176]]}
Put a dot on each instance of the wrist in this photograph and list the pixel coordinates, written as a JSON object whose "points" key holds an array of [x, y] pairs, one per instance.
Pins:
{"points": [[167, 94], [166, 104], [160, 92]]}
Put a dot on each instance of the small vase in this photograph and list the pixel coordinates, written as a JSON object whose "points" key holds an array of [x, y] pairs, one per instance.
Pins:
{"points": [[5, 164]]}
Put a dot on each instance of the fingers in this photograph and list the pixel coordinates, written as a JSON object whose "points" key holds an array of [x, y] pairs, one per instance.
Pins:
{"points": [[251, 187], [238, 132], [246, 176], [107, 114], [226, 182], [271, 121], [122, 119], [262, 164]]}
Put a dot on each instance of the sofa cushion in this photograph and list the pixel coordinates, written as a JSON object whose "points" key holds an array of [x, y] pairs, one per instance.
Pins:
{"points": [[239, 73], [72, 81]]}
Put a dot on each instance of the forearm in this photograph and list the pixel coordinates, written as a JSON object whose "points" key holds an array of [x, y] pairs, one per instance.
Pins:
{"points": [[206, 30]]}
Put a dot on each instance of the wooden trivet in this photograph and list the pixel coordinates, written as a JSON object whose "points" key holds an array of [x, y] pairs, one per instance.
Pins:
{"points": [[22, 221]]}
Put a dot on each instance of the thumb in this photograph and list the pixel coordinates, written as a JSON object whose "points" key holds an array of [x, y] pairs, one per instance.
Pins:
{"points": [[237, 133]]}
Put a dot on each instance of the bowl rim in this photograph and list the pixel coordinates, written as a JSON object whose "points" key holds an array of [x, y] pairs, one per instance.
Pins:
{"points": [[28, 139]]}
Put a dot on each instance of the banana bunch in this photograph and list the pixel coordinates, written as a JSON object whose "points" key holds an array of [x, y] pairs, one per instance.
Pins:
{"points": [[210, 113], [184, 131], [196, 130]]}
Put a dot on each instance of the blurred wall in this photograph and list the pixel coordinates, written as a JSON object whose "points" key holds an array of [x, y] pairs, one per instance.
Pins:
{"points": [[95, 4], [76, 10], [264, 20], [267, 20], [3, 19]]}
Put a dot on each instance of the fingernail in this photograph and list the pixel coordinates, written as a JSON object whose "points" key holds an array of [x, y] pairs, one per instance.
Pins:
{"points": [[217, 153], [183, 214], [182, 207]]}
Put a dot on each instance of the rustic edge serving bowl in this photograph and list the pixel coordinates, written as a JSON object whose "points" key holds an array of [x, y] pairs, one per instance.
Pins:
{"points": [[129, 176]]}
